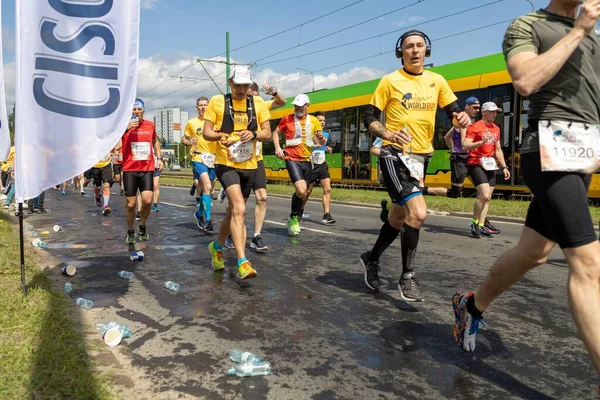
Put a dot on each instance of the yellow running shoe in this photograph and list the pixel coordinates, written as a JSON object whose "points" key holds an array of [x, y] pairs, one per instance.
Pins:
{"points": [[217, 257], [246, 271]]}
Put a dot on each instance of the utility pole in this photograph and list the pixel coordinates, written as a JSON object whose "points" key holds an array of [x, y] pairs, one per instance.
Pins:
{"points": [[312, 75], [228, 90]]}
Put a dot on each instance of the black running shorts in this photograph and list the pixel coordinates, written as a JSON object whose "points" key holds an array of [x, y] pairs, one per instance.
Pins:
{"points": [[559, 210], [134, 181], [400, 186], [229, 176], [458, 168], [480, 176], [299, 170], [117, 169], [319, 173], [100, 175], [260, 180]]}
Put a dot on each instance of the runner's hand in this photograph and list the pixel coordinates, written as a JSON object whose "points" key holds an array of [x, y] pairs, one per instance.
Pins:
{"points": [[590, 11], [161, 165], [193, 141], [461, 119], [506, 174], [402, 137], [225, 140], [133, 123], [246, 136], [279, 153]]}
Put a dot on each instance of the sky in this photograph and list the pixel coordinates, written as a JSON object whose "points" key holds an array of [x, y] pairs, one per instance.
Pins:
{"points": [[339, 41]]}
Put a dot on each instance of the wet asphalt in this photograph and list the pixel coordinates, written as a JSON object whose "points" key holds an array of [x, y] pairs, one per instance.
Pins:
{"points": [[309, 312]]}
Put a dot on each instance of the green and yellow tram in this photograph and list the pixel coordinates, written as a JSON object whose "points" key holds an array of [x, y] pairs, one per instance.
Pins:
{"points": [[351, 163]]}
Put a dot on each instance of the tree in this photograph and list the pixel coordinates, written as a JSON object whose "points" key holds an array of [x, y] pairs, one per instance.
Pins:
{"points": [[11, 125]]}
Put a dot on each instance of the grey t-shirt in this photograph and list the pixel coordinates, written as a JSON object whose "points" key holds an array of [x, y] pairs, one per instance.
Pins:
{"points": [[573, 94]]}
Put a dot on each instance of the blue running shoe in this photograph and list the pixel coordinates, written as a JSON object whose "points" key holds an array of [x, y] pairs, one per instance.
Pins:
{"points": [[466, 326]]}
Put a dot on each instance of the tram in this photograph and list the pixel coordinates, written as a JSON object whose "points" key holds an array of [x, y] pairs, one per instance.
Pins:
{"points": [[351, 164]]}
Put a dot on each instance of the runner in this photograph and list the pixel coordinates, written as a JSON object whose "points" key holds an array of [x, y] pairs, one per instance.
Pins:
{"points": [[237, 121], [117, 163], [482, 141], [155, 186], [203, 164], [320, 173], [302, 132], [139, 145], [6, 165], [409, 97], [102, 176], [552, 56]]}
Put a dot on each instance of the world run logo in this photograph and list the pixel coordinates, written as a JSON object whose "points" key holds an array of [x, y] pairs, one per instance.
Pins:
{"points": [[60, 61]]}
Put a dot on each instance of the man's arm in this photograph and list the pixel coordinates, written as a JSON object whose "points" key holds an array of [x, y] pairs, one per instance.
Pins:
{"points": [[376, 151], [499, 155], [278, 151], [448, 138], [208, 132], [264, 135], [158, 152], [278, 101], [469, 144]]}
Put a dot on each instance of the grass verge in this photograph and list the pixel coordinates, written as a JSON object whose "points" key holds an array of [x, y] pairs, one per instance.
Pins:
{"points": [[42, 353], [498, 207]]}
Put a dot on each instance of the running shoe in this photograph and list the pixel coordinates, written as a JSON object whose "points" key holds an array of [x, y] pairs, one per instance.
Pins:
{"points": [[82, 193], [155, 208], [475, 232], [122, 192], [229, 242], [222, 195], [293, 226], [371, 272], [246, 271], [143, 235], [98, 198], [6, 206], [214, 196], [106, 211], [491, 227], [209, 228], [409, 287], [383, 215], [138, 217], [485, 231], [63, 192], [258, 244], [199, 221], [328, 219], [193, 189], [130, 238], [466, 326], [217, 257]]}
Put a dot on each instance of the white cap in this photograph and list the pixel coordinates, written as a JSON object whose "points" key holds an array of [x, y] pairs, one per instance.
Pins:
{"points": [[490, 106], [301, 100], [241, 76]]}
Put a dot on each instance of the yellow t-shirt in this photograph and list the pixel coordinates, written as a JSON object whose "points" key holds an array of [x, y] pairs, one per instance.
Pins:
{"points": [[214, 113], [412, 100], [103, 162], [9, 161], [259, 153], [193, 130]]}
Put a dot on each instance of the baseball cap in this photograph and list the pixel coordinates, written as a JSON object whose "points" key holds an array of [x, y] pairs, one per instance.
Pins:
{"points": [[241, 76], [490, 106], [472, 100], [301, 100]]}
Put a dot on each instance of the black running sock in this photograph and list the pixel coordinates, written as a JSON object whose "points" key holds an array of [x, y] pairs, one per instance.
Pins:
{"points": [[410, 240], [387, 235], [296, 205], [472, 309]]}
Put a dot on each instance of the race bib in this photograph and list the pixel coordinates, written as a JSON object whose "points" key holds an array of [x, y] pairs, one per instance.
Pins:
{"points": [[318, 157], [489, 163], [241, 151], [415, 165], [208, 159], [569, 146], [140, 151], [258, 152]]}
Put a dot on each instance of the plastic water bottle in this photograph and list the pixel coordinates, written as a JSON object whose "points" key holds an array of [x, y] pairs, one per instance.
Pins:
{"points": [[68, 287], [124, 329], [172, 286], [264, 368], [125, 275], [244, 357], [84, 303]]}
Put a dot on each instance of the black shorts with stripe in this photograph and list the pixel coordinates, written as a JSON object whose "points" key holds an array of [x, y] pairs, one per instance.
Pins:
{"points": [[400, 186]]}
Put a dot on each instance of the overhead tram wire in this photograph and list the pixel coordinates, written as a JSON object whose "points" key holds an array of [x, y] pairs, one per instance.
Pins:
{"points": [[167, 80], [381, 34]]}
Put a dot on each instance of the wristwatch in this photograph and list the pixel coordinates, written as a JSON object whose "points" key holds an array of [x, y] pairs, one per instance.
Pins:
{"points": [[254, 134]]}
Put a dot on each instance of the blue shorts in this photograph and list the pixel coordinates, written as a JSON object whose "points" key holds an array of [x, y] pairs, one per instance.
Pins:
{"points": [[200, 168], [156, 173]]}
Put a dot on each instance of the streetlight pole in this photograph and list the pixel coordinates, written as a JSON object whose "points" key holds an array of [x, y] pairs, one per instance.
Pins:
{"points": [[311, 74]]}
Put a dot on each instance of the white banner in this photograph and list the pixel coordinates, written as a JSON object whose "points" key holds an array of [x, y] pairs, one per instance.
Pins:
{"points": [[76, 83], [4, 133]]}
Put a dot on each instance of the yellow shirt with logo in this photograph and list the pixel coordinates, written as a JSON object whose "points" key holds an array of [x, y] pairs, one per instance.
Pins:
{"points": [[9, 161], [259, 153], [103, 162], [193, 130], [412, 101], [214, 113]]}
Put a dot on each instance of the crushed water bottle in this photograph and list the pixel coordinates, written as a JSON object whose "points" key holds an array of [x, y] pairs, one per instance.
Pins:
{"points": [[84, 303], [124, 329], [264, 368], [172, 286], [244, 357], [126, 275], [68, 287]]}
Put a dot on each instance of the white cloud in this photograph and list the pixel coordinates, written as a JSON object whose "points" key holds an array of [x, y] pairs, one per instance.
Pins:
{"points": [[404, 21], [8, 41], [149, 4]]}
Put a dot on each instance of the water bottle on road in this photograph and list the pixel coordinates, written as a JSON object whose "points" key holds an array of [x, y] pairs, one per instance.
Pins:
{"points": [[68, 287], [244, 357], [125, 274], [124, 329], [172, 286], [84, 303], [263, 368]]}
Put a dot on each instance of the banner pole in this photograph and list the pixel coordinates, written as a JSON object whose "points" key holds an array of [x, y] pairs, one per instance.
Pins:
{"points": [[22, 245]]}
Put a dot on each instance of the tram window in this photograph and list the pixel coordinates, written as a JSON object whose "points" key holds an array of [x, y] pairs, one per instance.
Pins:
{"points": [[334, 125]]}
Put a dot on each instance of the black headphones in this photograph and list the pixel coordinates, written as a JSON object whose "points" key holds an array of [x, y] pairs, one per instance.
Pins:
{"points": [[414, 32]]}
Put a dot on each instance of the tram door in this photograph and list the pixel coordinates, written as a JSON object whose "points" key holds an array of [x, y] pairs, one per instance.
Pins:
{"points": [[356, 160]]}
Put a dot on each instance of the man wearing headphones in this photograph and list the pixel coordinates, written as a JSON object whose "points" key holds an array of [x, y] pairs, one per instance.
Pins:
{"points": [[410, 97]]}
